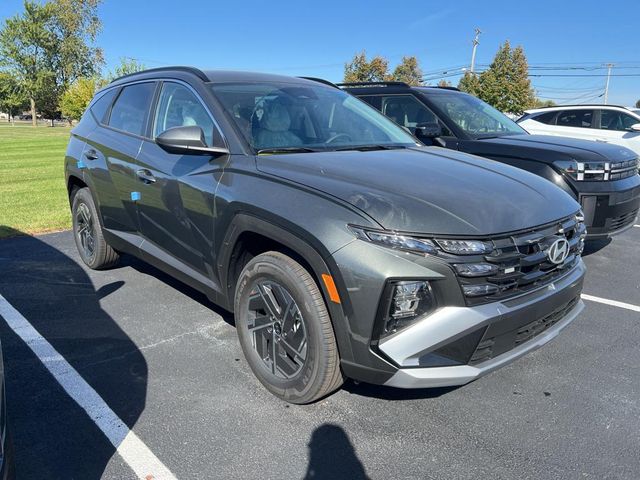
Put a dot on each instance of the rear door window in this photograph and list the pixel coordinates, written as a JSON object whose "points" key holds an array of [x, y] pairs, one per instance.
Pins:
{"points": [[575, 118], [548, 118], [131, 110]]}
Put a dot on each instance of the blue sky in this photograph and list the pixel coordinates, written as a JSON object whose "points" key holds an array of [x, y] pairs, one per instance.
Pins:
{"points": [[317, 38]]}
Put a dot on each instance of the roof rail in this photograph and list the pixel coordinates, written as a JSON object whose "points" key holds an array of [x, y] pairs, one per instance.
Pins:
{"points": [[580, 105], [321, 80], [373, 84], [444, 87], [196, 71]]}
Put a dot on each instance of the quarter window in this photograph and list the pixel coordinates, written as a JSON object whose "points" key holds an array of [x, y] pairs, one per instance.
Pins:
{"points": [[131, 109], [575, 118], [101, 106], [614, 120], [179, 107]]}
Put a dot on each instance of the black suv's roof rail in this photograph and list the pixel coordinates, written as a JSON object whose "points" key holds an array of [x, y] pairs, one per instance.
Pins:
{"points": [[321, 80], [196, 71], [373, 84], [393, 84]]}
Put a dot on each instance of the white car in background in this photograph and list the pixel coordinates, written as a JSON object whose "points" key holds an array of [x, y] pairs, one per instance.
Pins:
{"points": [[602, 123]]}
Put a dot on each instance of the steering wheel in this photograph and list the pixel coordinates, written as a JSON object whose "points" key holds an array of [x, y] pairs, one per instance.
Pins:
{"points": [[336, 136]]}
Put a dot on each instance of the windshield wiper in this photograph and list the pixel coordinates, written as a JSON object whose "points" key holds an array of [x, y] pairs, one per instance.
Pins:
{"points": [[367, 148], [265, 151]]}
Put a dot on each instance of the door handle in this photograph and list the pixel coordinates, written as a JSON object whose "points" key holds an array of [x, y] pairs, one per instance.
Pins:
{"points": [[145, 176], [91, 154], [602, 140]]}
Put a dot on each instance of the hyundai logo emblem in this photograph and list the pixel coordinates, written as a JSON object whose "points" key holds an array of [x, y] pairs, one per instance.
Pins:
{"points": [[558, 251]]}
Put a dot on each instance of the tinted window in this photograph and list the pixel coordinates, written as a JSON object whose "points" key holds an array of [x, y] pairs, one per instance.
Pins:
{"points": [[575, 118], [101, 106], [614, 120], [407, 111], [130, 111], [179, 107], [547, 118]]}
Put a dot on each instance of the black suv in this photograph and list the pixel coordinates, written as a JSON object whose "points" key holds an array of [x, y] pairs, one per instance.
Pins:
{"points": [[602, 178], [343, 247]]}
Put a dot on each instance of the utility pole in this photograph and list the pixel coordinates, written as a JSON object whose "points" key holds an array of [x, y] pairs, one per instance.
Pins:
{"points": [[475, 46], [606, 87]]}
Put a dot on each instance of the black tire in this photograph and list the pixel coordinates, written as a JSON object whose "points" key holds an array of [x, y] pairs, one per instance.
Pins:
{"points": [[278, 277], [87, 232]]}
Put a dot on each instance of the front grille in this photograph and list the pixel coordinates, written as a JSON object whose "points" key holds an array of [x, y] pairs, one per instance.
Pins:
{"points": [[623, 220], [493, 345], [522, 261]]}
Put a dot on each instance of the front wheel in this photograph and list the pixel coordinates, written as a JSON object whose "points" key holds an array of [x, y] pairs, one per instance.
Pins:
{"points": [[285, 330], [87, 231]]}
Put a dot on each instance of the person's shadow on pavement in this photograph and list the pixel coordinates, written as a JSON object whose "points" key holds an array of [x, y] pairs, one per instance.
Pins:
{"points": [[331, 456]]}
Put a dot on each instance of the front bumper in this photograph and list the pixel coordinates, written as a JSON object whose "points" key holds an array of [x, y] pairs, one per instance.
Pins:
{"points": [[610, 212], [504, 320]]}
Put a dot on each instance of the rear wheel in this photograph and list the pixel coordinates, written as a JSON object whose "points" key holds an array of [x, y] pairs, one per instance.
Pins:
{"points": [[87, 232], [285, 330]]}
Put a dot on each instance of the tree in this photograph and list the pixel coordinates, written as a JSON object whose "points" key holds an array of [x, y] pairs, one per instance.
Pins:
{"points": [[444, 83], [75, 100], [638, 104], [12, 99], [408, 71], [362, 70], [470, 83], [127, 66], [505, 84], [48, 47], [25, 47], [539, 103]]}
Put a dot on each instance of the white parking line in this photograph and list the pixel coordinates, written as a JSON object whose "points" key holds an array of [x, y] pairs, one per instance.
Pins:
{"points": [[615, 303], [132, 450]]}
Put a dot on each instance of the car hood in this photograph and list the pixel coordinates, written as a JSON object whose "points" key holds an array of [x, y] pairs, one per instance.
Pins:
{"points": [[428, 190], [547, 148]]}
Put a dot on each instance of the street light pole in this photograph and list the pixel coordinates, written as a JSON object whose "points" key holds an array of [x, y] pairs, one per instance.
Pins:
{"points": [[606, 87], [475, 46]]}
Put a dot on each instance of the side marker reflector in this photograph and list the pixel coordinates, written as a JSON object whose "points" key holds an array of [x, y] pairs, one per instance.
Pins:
{"points": [[331, 288]]}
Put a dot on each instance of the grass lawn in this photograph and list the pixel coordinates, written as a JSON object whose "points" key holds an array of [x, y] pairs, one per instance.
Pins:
{"points": [[33, 197]]}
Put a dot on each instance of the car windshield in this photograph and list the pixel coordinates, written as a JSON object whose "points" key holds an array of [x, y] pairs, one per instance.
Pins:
{"points": [[300, 117], [475, 117]]}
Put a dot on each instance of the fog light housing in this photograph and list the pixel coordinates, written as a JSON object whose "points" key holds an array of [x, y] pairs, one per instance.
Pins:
{"points": [[407, 302]]}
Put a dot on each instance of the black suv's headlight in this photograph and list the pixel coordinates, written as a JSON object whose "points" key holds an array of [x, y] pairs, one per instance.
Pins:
{"points": [[597, 171], [404, 302]]}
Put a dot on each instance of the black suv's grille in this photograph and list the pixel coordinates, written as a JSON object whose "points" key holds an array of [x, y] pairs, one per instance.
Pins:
{"points": [[522, 261], [493, 345], [623, 220]]}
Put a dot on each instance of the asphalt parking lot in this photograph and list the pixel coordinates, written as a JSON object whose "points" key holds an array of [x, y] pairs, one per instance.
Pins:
{"points": [[168, 364]]}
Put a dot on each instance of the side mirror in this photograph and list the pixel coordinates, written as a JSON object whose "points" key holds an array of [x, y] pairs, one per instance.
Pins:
{"points": [[430, 133], [428, 130], [186, 141], [635, 127]]}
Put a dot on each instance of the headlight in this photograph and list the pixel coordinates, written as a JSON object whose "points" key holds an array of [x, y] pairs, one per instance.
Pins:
{"points": [[407, 301], [465, 247], [392, 240]]}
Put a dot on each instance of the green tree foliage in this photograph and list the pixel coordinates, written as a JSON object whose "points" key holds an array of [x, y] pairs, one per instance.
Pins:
{"points": [[505, 84], [444, 83], [26, 43], [12, 98], [539, 103], [408, 71], [470, 83], [362, 70], [48, 47], [75, 100]]}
